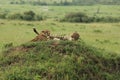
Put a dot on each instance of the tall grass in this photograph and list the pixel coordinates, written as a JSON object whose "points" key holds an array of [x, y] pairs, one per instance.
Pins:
{"points": [[69, 60]]}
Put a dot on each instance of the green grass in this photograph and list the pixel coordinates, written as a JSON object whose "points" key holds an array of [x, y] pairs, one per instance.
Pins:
{"points": [[66, 61], [18, 32], [35, 61], [60, 11]]}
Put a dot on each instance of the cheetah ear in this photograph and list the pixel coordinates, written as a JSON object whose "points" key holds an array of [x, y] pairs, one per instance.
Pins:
{"points": [[43, 31]]}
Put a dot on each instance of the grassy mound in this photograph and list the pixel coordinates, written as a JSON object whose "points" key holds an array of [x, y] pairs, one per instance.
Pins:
{"points": [[64, 60]]}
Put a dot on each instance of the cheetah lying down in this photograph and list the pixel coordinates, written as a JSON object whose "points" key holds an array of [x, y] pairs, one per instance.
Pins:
{"points": [[45, 35]]}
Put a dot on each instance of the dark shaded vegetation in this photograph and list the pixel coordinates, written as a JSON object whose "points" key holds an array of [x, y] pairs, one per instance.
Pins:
{"points": [[27, 15], [82, 17], [67, 2], [75, 17], [69, 17], [68, 60], [3, 15]]}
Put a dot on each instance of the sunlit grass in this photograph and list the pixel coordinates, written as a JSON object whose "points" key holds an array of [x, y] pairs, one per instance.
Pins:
{"points": [[18, 32], [60, 11]]}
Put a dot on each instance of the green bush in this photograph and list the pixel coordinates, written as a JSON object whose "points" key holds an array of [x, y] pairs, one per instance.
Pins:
{"points": [[28, 15], [14, 16], [2, 15], [82, 17], [38, 17], [76, 17]]}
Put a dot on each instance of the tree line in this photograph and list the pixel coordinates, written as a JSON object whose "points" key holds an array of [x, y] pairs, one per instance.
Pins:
{"points": [[67, 2]]}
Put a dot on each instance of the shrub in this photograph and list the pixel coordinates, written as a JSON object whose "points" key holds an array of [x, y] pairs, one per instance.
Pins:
{"points": [[28, 15], [82, 17], [38, 17], [14, 16], [76, 17], [3, 15]]}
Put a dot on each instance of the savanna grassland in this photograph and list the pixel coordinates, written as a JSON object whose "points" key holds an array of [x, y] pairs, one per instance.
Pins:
{"points": [[95, 56], [102, 35]]}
